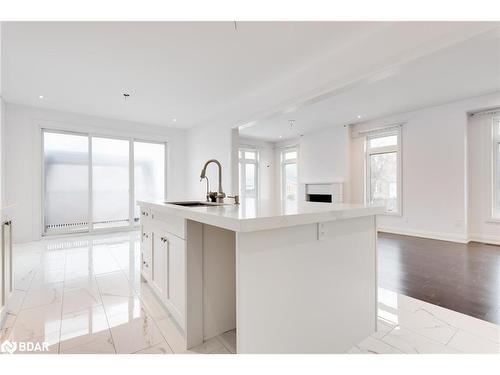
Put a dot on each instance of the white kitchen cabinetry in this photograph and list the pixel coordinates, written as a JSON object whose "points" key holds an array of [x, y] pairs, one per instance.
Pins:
{"points": [[163, 256], [158, 260], [175, 264], [146, 252], [6, 282]]}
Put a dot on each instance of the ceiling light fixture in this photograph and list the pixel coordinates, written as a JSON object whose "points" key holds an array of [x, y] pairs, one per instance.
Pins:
{"points": [[281, 136], [40, 97], [359, 116], [174, 120]]}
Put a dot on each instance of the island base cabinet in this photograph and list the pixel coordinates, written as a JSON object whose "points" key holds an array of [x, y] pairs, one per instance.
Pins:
{"points": [[6, 280], [306, 292], [163, 257], [175, 280], [159, 254], [146, 253]]}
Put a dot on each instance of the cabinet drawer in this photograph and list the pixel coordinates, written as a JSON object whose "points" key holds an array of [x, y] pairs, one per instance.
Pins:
{"points": [[170, 223]]}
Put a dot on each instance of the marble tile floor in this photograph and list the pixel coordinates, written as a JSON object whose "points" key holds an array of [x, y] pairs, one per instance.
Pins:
{"points": [[84, 295]]}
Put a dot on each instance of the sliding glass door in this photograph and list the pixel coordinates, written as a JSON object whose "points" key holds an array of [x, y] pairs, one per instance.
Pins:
{"points": [[66, 182], [92, 182], [110, 182]]}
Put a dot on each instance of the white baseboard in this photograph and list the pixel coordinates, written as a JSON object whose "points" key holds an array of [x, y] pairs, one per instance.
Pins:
{"points": [[485, 239], [452, 237]]}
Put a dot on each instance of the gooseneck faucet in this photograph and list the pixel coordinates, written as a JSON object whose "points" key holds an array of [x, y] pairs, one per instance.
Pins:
{"points": [[220, 194]]}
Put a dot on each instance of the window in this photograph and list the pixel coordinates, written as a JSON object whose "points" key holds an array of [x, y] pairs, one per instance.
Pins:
{"points": [[496, 169], [289, 178], [383, 169], [149, 173], [249, 172], [92, 182]]}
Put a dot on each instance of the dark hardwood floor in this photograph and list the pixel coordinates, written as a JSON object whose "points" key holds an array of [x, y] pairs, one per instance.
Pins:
{"points": [[460, 277]]}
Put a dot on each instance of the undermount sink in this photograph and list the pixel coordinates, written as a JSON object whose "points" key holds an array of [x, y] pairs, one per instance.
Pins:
{"points": [[194, 204]]}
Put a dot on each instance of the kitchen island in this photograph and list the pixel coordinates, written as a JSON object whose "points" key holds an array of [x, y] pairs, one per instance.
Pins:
{"points": [[300, 279]]}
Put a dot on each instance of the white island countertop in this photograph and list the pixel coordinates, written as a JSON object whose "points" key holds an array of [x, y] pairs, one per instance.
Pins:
{"points": [[263, 214]]}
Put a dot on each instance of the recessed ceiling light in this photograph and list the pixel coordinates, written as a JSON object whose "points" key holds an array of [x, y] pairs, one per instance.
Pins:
{"points": [[281, 136], [40, 97], [174, 120], [359, 116]]}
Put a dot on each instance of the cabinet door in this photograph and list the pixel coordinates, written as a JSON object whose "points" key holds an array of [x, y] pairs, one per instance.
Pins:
{"points": [[175, 293], [146, 247], [158, 269], [2, 251], [6, 284]]}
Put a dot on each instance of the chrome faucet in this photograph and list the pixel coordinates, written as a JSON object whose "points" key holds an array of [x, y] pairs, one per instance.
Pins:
{"points": [[220, 195]]}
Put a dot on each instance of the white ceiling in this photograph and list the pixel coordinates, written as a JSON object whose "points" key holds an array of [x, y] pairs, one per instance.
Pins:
{"points": [[466, 69], [183, 70], [209, 73]]}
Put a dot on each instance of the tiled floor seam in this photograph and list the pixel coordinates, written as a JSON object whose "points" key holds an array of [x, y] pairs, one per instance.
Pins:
{"points": [[130, 282], [154, 321], [62, 305], [105, 314], [21, 305]]}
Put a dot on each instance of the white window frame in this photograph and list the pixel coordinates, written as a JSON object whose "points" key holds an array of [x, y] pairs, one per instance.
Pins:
{"points": [[89, 134], [284, 162], [495, 184], [242, 162], [369, 151]]}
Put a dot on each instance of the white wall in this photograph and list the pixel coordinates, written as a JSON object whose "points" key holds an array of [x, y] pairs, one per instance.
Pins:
{"points": [[205, 143], [434, 163], [1, 151], [22, 153], [481, 227], [267, 166], [1, 121], [324, 157]]}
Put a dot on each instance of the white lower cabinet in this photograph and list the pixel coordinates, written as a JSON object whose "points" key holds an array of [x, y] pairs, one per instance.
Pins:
{"points": [[163, 257], [6, 280], [146, 250], [158, 258], [175, 263]]}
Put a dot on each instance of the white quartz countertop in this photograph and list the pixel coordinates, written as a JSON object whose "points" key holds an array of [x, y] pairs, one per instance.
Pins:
{"points": [[262, 214]]}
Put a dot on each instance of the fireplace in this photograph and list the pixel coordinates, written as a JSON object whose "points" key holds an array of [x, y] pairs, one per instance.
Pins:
{"points": [[325, 198], [330, 192]]}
